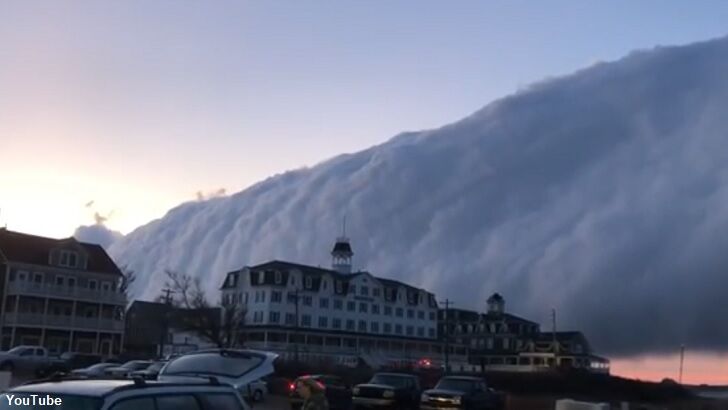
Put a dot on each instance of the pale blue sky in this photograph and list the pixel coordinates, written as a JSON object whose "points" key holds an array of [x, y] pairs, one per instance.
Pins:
{"points": [[139, 104]]}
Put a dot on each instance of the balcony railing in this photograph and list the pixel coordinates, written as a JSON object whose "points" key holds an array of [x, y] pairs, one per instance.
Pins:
{"points": [[69, 322], [49, 290]]}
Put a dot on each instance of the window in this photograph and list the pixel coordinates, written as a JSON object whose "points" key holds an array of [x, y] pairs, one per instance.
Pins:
{"points": [[291, 297], [420, 332], [338, 304], [350, 306], [432, 316], [323, 322], [307, 300], [410, 314], [388, 311], [71, 282], [350, 324], [375, 292], [489, 343], [389, 294], [257, 317], [290, 319], [262, 296], [274, 317], [431, 332], [38, 278], [218, 401], [140, 403], [60, 280], [410, 330], [375, 309], [22, 275], [276, 296], [362, 326], [278, 277], [336, 323], [306, 320], [68, 259], [363, 308], [387, 328], [352, 289], [398, 329], [364, 291], [105, 286], [421, 315], [400, 312], [339, 287], [261, 278], [324, 303], [309, 282], [375, 327], [177, 402], [324, 284], [92, 284]]}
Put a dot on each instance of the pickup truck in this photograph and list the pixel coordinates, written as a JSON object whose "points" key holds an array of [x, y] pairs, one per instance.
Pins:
{"points": [[461, 392], [28, 359]]}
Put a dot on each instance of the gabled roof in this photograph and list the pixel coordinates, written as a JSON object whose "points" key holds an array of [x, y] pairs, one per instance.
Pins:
{"points": [[35, 250], [507, 317]]}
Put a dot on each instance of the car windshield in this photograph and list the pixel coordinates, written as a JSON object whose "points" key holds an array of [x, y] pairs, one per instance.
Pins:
{"points": [[463, 385], [214, 364], [101, 366], [155, 367], [25, 401], [135, 365], [390, 380]]}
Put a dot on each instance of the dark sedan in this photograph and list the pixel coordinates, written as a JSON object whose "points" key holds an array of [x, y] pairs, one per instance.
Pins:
{"points": [[388, 391], [460, 392]]}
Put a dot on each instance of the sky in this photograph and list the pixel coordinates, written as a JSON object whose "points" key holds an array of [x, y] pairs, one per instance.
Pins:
{"points": [[138, 105], [127, 109]]}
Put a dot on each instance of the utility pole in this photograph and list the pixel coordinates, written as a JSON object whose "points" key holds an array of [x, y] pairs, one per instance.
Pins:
{"points": [[446, 334], [554, 340], [165, 319], [682, 361], [295, 329]]}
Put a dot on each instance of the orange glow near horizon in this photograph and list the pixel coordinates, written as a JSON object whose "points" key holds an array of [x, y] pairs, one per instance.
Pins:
{"points": [[699, 368]]}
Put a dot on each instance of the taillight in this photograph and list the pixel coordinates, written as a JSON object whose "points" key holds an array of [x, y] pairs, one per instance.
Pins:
{"points": [[292, 386]]}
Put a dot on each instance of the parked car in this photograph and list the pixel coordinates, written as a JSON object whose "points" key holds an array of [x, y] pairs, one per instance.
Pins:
{"points": [[388, 390], [28, 359], [200, 394], [236, 367], [97, 370], [337, 392], [123, 371], [151, 372], [461, 392]]}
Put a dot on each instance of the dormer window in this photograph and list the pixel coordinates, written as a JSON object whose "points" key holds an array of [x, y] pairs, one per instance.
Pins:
{"points": [[279, 277], [261, 277], [339, 287], [309, 282], [68, 259]]}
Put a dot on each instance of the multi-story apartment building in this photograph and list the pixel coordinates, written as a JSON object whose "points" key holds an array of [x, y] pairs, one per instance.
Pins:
{"points": [[497, 340], [313, 312], [61, 294]]}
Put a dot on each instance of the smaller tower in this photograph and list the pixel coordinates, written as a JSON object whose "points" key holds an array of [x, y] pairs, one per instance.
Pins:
{"points": [[496, 304], [342, 254]]}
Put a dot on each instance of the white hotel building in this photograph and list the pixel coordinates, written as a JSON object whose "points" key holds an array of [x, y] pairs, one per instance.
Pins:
{"points": [[325, 314]]}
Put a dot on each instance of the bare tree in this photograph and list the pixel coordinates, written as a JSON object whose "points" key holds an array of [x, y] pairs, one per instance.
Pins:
{"points": [[128, 277], [220, 324]]}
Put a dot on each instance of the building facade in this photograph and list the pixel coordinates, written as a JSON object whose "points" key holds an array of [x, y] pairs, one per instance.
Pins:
{"points": [[499, 341], [311, 313], [62, 294]]}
